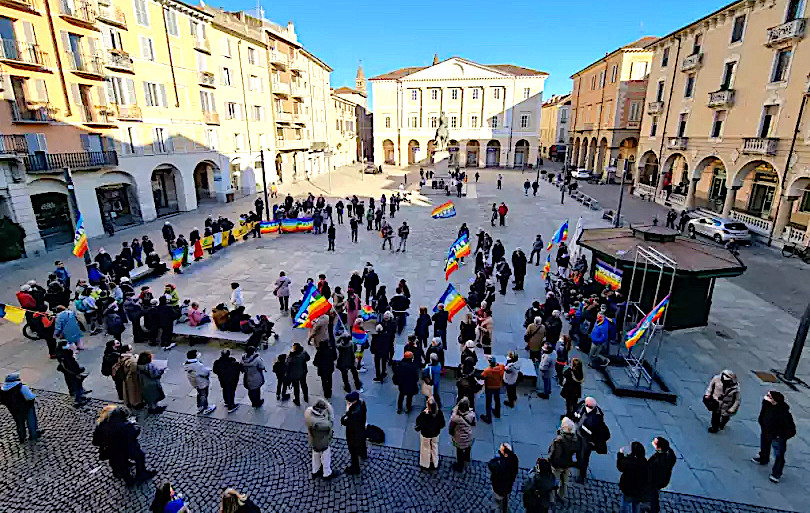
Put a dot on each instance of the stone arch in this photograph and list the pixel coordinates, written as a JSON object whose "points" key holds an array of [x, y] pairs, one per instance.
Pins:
{"points": [[575, 152], [493, 153], [737, 179], [602, 155], [798, 186], [676, 170], [117, 194], [648, 169], [592, 155], [453, 148], [758, 187], [583, 153], [168, 190], [473, 152], [388, 152], [627, 155], [51, 206], [521, 153], [413, 150]]}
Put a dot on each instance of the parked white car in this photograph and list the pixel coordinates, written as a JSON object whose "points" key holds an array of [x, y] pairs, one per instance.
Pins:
{"points": [[719, 229], [581, 174]]}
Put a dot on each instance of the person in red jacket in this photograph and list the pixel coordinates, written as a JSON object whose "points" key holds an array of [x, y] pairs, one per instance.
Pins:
{"points": [[502, 211]]}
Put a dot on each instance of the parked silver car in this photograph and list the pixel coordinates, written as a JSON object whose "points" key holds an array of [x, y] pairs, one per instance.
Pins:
{"points": [[719, 229]]}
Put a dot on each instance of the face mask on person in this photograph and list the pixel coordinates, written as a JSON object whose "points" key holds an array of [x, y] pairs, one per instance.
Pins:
{"points": [[588, 409]]}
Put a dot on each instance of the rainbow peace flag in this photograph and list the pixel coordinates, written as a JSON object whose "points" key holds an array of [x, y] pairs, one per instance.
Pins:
{"points": [[450, 266], [80, 239], [13, 313], [177, 258], [452, 301], [635, 334], [289, 225], [266, 227], [444, 211], [305, 224], [607, 275], [359, 335], [313, 306], [461, 247], [561, 235], [367, 313], [547, 267]]}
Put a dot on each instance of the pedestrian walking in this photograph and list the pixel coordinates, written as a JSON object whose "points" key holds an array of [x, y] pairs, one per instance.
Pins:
{"points": [[593, 433], [228, 371], [429, 424], [355, 421], [324, 361], [282, 383], [406, 378], [149, 374], [403, 233], [462, 420], [562, 454], [503, 469], [297, 372], [117, 440], [519, 268], [282, 291], [493, 381], [494, 216], [659, 467], [535, 186], [21, 403], [672, 215], [500, 181], [199, 377], [573, 377], [126, 371], [526, 186], [538, 487], [353, 223], [510, 377], [320, 419], [776, 428], [722, 398], [331, 233], [168, 236], [74, 375], [234, 502], [253, 369], [477, 176], [634, 478], [502, 211]]}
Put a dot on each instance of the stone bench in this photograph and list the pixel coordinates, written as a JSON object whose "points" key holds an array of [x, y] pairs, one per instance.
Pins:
{"points": [[209, 331], [140, 273]]}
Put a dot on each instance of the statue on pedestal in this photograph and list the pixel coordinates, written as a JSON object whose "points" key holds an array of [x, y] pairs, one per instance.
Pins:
{"points": [[442, 133]]}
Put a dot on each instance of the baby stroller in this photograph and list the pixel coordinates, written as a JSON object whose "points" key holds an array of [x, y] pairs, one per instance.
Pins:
{"points": [[294, 308], [260, 329]]}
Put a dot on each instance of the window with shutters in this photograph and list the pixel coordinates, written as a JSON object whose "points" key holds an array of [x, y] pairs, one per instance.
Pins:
{"points": [[238, 142], [147, 48], [211, 139], [434, 94], [527, 92], [159, 140], [738, 29], [251, 55], [453, 121], [717, 125], [231, 110], [207, 101], [474, 121], [781, 63], [524, 121], [414, 122], [141, 8], [665, 58], [414, 95], [258, 114], [434, 121], [475, 93], [171, 23], [493, 122], [226, 77], [155, 94], [496, 93], [226, 47], [253, 83], [454, 94], [129, 141], [614, 73]]}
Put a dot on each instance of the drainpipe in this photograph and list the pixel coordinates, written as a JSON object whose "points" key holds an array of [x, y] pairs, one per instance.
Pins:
{"points": [[171, 63], [666, 119], [244, 95], [787, 165], [58, 58], [601, 110]]}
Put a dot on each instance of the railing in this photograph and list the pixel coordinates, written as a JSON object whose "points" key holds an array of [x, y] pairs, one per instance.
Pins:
{"points": [[281, 88], [655, 107], [113, 15], [785, 32], [28, 53], [760, 145], [721, 98], [755, 224], [691, 62], [22, 113], [202, 44], [50, 161], [207, 79], [677, 199], [644, 189], [80, 11], [795, 235], [677, 143], [129, 112], [83, 63], [13, 144], [210, 117], [277, 57], [118, 59], [285, 117], [633, 124], [97, 115], [298, 90], [27, 5]]}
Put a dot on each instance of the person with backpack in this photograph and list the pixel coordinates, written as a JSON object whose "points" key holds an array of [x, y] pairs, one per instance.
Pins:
{"points": [[633, 481], [659, 467], [561, 455], [776, 428], [538, 487], [20, 401], [429, 424], [593, 432], [462, 420]]}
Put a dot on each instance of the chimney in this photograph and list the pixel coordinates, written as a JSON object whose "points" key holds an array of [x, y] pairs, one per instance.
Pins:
{"points": [[435, 59]]}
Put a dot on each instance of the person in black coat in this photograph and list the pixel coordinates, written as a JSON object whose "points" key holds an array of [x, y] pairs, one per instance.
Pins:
{"points": [[554, 327], [519, 262], [346, 361], [634, 479], [324, 361], [498, 251], [406, 378], [503, 469], [416, 349], [593, 432], [777, 427], [551, 304], [117, 441], [165, 316], [659, 467], [297, 373], [228, 370], [126, 253], [168, 234], [356, 284], [440, 320], [104, 261], [379, 348], [355, 421], [370, 282]]}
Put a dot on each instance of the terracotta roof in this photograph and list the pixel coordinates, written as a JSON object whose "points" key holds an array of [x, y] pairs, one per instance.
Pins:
{"points": [[505, 68], [347, 90], [641, 43]]}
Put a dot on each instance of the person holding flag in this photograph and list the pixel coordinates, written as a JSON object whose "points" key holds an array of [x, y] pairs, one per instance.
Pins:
{"points": [[560, 236]]}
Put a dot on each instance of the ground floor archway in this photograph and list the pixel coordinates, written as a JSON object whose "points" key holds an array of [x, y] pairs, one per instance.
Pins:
{"points": [[522, 153], [758, 191], [493, 153], [648, 169], [117, 197], [676, 175], [388, 152], [52, 213], [710, 190], [453, 150], [413, 151], [473, 148], [165, 180]]}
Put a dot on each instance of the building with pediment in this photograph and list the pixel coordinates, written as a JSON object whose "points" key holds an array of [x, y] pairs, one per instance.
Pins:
{"points": [[493, 113]]}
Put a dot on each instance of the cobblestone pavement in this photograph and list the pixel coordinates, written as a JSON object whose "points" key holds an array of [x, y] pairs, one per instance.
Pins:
{"points": [[202, 456]]}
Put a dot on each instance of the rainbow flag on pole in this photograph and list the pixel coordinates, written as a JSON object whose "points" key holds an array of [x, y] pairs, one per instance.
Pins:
{"points": [[444, 211], [547, 267], [367, 313], [359, 335], [177, 258], [450, 265], [80, 239], [12, 313], [313, 306], [608, 275], [635, 334], [266, 227], [561, 235], [461, 247], [453, 301]]}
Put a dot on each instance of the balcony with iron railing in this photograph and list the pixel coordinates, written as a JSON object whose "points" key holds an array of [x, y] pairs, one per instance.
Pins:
{"points": [[21, 54], [202, 44], [23, 5], [692, 62], [210, 117], [80, 13], [760, 145], [721, 98], [48, 162], [113, 15], [131, 112], [13, 144], [102, 116], [23, 112], [655, 107], [119, 60], [207, 79], [786, 32], [677, 143], [86, 65]]}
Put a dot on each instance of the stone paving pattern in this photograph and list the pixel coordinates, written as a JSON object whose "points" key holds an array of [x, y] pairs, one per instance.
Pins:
{"points": [[202, 456], [745, 333]]}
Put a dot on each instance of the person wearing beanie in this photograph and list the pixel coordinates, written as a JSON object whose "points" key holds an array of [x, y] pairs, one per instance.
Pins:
{"points": [[406, 378], [19, 399], [355, 421], [722, 398], [660, 467], [776, 428], [462, 420]]}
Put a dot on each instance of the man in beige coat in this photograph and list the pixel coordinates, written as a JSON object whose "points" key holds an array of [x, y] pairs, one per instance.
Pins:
{"points": [[319, 332]]}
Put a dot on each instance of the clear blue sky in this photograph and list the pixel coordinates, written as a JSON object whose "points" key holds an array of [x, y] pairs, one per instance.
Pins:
{"points": [[545, 35]]}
